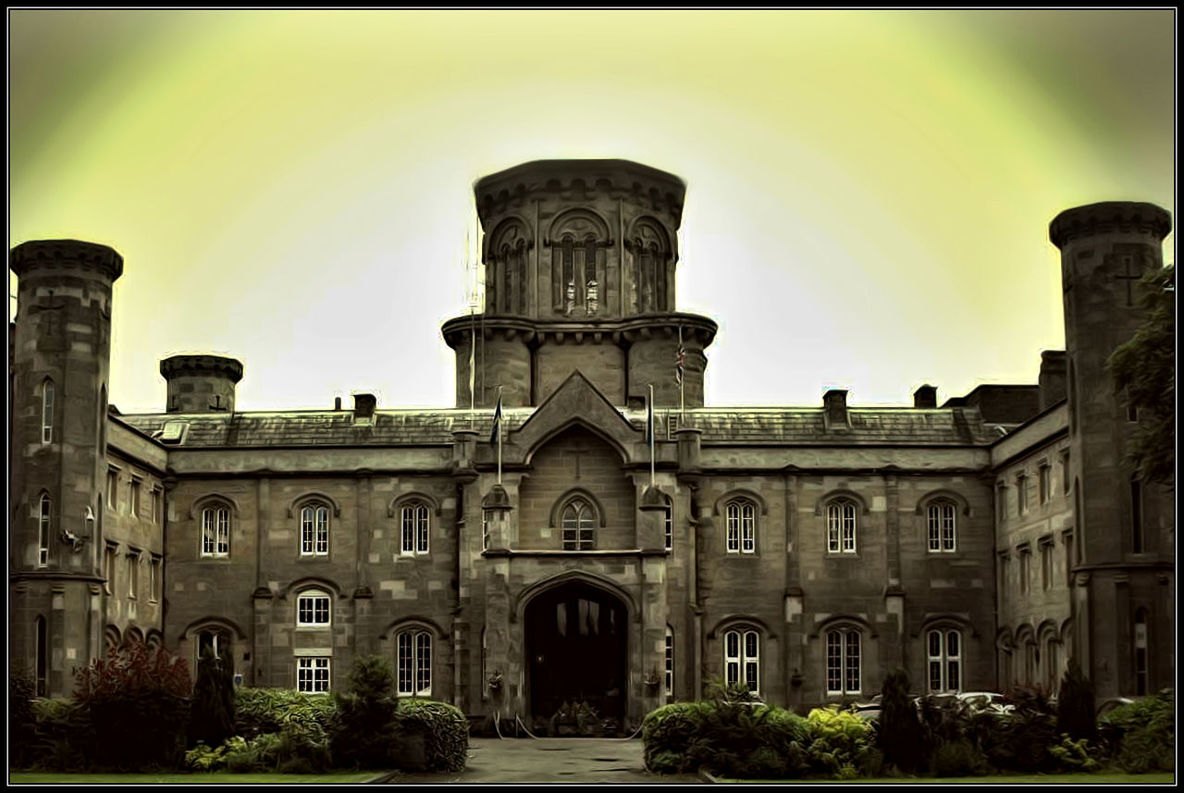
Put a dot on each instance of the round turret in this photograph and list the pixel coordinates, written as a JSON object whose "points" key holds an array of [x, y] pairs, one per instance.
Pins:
{"points": [[201, 383]]}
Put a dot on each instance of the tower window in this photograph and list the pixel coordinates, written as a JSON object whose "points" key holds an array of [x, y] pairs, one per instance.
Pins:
{"points": [[669, 658], [47, 395], [43, 531], [42, 657], [1141, 652], [1137, 539]]}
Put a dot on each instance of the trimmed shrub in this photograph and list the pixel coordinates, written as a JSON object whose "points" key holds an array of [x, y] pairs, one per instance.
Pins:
{"points": [[1142, 736], [211, 713], [899, 734], [364, 734], [21, 719], [840, 742], [1075, 705], [443, 730], [138, 701], [258, 711]]}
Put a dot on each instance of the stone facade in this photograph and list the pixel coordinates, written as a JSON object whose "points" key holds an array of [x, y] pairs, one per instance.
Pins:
{"points": [[804, 551]]}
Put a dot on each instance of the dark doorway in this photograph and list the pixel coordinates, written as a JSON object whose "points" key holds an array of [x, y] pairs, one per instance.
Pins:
{"points": [[576, 645]]}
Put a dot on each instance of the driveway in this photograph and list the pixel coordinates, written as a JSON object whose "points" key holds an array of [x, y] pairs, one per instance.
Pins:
{"points": [[542, 760]]}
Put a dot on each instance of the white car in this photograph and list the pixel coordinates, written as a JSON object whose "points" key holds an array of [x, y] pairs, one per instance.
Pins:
{"points": [[985, 700]]}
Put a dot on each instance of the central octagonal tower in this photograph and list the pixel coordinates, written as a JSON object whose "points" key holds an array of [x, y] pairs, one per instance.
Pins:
{"points": [[580, 260]]}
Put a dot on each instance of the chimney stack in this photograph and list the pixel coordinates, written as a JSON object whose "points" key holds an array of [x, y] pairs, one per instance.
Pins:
{"points": [[835, 415], [925, 397], [364, 405]]}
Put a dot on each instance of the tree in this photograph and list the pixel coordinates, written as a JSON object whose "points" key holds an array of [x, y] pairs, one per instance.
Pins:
{"points": [[900, 735], [211, 718], [1145, 368], [1075, 705], [365, 734]]}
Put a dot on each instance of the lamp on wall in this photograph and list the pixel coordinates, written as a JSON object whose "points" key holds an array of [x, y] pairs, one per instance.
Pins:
{"points": [[77, 541]]}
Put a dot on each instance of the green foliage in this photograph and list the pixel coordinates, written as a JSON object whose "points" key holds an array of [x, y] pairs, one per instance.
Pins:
{"points": [[1075, 755], [443, 729], [840, 742], [138, 701], [959, 758], [60, 737], [203, 758], [364, 734], [211, 715], [666, 734], [1075, 705], [1021, 740], [269, 710], [1142, 735], [900, 736], [1145, 367], [21, 719]]}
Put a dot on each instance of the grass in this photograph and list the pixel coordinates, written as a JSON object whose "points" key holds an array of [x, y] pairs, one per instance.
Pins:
{"points": [[1101, 778], [207, 778]]}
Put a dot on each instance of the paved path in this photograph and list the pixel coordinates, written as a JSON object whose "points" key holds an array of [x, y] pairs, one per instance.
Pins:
{"points": [[543, 760]]}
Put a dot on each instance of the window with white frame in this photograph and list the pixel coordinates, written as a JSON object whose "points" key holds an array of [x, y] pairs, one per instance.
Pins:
{"points": [[742, 659], [578, 521], [840, 526], [669, 676], [43, 523], [484, 530], [416, 521], [945, 660], [741, 526], [668, 524], [942, 527], [215, 531], [312, 608], [312, 675], [314, 530], [47, 396], [414, 667], [843, 661]]}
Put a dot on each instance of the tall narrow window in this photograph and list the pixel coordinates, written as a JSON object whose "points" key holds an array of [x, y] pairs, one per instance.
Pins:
{"points": [[1025, 553], [156, 506], [1021, 494], [133, 574], [154, 579], [741, 517], [1045, 483], [742, 659], [215, 532], [414, 665], [416, 521], [1067, 541], [113, 490], [109, 568], [1065, 481], [1137, 539], [1141, 652], [47, 411], [941, 527], [840, 527], [135, 502], [42, 662], [668, 525], [43, 532], [669, 676], [1001, 502], [1046, 563], [579, 524], [312, 675], [945, 660], [314, 530], [843, 661]]}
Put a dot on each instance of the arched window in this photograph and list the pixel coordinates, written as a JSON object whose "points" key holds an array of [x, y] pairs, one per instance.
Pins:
{"points": [[840, 526], [414, 663], [651, 251], [578, 521], [669, 676], [213, 641], [416, 521], [313, 608], [42, 660], [577, 238], [1141, 644], [47, 411], [215, 531], [942, 527], [742, 659], [314, 530], [741, 519], [843, 660], [507, 257], [945, 660], [43, 532]]}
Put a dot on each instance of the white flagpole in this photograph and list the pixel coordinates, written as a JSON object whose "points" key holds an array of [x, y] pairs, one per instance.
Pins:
{"points": [[653, 420], [682, 382], [500, 432]]}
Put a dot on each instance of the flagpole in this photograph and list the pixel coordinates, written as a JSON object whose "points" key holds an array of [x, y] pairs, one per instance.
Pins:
{"points": [[471, 274], [650, 431], [682, 384]]}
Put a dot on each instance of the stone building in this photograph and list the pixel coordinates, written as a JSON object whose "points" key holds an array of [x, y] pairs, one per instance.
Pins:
{"points": [[803, 551]]}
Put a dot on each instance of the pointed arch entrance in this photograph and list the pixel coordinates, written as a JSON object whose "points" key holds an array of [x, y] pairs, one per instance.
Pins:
{"points": [[577, 651]]}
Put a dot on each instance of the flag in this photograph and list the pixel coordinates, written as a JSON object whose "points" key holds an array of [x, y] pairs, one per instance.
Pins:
{"points": [[495, 434], [680, 359]]}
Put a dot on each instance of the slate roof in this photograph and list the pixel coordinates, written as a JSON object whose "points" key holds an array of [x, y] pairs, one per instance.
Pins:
{"points": [[788, 426]]}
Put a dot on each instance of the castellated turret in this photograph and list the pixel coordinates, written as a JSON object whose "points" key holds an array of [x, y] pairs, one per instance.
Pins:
{"points": [[580, 260], [200, 383], [1124, 566], [61, 357]]}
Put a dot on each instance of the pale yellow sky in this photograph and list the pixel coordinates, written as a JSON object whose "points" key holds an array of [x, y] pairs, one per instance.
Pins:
{"points": [[868, 191]]}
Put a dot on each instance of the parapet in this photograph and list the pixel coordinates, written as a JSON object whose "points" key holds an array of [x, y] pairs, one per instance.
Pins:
{"points": [[1107, 217], [65, 253]]}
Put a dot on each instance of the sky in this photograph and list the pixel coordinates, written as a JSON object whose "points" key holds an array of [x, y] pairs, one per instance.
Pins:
{"points": [[867, 207]]}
